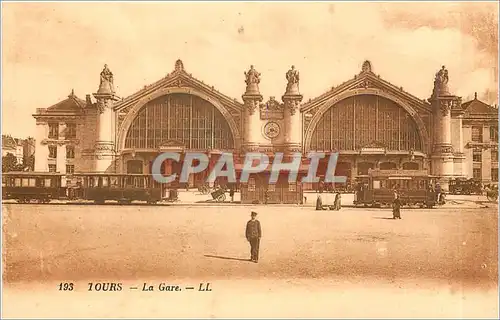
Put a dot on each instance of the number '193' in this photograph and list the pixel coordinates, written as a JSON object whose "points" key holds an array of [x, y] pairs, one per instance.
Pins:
{"points": [[65, 286]]}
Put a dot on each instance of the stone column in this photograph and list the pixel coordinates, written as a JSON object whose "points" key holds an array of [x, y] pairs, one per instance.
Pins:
{"points": [[104, 148], [252, 99], [442, 103], [292, 115], [41, 149]]}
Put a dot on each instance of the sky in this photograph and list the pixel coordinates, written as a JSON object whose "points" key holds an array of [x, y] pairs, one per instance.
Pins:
{"points": [[48, 49]]}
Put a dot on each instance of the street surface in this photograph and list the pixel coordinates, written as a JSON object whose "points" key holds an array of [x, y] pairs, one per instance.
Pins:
{"points": [[357, 262]]}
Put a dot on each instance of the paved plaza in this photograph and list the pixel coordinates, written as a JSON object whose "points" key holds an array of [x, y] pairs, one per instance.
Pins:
{"points": [[440, 256]]}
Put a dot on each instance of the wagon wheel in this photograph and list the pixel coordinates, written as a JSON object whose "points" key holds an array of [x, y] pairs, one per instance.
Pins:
{"points": [[221, 198], [492, 196]]}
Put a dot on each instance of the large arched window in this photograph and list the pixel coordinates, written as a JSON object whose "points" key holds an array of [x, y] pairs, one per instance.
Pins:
{"points": [[185, 118], [362, 120]]}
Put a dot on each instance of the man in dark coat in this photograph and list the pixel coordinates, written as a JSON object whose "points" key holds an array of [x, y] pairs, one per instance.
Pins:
{"points": [[254, 233], [396, 207]]}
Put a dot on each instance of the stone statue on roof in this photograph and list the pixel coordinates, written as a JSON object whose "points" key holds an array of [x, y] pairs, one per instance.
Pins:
{"points": [[106, 85], [252, 76], [441, 82], [292, 76]]}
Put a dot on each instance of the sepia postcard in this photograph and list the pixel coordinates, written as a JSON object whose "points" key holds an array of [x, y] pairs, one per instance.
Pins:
{"points": [[249, 159]]}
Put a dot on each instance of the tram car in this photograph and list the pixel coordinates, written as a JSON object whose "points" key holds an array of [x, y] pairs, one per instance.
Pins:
{"points": [[412, 186], [123, 188], [465, 186], [29, 186]]}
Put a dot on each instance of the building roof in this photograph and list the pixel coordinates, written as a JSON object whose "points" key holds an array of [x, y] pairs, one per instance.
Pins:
{"points": [[9, 142], [71, 104], [478, 107]]}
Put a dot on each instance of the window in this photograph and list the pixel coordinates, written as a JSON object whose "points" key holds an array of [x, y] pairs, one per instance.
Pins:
{"points": [[47, 183], [52, 168], [477, 134], [251, 184], [494, 133], [70, 130], [114, 182], [17, 182], [52, 152], [53, 130], [70, 152], [271, 188], [292, 187], [477, 156], [476, 173], [494, 155], [494, 174], [70, 168]]}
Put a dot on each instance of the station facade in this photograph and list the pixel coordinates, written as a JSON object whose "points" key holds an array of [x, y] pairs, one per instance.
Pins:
{"points": [[369, 121]]}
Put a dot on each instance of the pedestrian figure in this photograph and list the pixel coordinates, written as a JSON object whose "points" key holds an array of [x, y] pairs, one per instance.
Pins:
{"points": [[338, 202], [266, 196], [438, 192], [231, 194], [396, 207], [253, 234], [319, 204]]}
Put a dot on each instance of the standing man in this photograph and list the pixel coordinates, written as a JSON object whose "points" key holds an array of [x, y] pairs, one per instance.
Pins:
{"points": [[396, 207], [231, 193], [254, 233]]}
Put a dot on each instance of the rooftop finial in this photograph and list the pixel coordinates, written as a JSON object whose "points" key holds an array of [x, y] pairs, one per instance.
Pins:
{"points": [[72, 94], [475, 95], [367, 66], [179, 66]]}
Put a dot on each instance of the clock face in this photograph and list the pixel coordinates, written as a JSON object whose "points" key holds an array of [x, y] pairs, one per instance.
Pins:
{"points": [[271, 130]]}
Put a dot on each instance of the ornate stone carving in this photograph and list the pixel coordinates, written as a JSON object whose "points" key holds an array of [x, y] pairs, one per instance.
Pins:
{"points": [[292, 87], [445, 107], [441, 83], [272, 105], [102, 104], [101, 147], [271, 130], [251, 106], [292, 105], [440, 149], [179, 66], [367, 66], [365, 84], [106, 84], [252, 79]]}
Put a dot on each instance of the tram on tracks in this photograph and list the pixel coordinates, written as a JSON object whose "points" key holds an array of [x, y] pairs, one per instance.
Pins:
{"points": [[412, 186], [123, 188], [29, 186]]}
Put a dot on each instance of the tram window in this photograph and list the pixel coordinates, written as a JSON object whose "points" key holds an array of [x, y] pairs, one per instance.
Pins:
{"points": [[47, 182], [105, 181], [25, 182], [271, 187], [292, 187], [114, 181], [139, 182], [17, 182], [129, 181], [251, 184], [32, 182], [376, 184]]}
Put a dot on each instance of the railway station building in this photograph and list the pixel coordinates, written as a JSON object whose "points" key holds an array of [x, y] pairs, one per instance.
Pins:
{"points": [[369, 121]]}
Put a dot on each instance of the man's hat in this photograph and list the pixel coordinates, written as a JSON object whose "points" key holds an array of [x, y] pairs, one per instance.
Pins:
{"points": [[254, 213]]}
